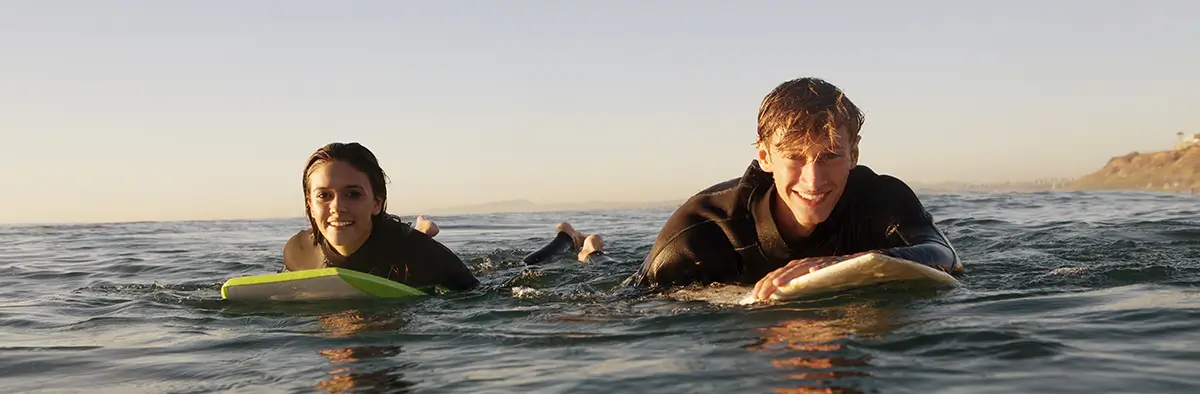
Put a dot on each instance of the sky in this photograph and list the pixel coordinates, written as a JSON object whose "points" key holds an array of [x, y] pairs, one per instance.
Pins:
{"points": [[149, 110]]}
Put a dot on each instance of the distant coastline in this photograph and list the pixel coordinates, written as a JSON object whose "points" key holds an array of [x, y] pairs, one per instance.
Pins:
{"points": [[997, 187], [1176, 170], [1172, 171], [527, 206]]}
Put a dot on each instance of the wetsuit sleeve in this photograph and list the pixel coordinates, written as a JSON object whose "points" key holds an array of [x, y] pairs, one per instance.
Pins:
{"points": [[697, 254], [451, 271], [561, 243], [923, 241]]}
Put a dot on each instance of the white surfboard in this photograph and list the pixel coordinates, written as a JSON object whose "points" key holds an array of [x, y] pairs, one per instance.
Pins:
{"points": [[866, 270], [314, 285]]}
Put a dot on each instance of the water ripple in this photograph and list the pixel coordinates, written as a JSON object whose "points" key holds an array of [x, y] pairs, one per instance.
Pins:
{"points": [[1066, 291]]}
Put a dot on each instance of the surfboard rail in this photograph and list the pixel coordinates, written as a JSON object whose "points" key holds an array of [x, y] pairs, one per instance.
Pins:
{"points": [[866, 270], [315, 284]]}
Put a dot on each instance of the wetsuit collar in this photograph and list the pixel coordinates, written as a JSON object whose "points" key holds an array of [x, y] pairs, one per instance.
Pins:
{"points": [[771, 242], [335, 259]]}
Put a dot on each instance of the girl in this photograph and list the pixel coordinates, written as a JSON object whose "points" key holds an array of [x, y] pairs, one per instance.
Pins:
{"points": [[345, 199]]}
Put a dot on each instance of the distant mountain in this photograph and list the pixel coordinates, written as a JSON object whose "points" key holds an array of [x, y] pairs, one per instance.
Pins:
{"points": [[510, 206], [1176, 170]]}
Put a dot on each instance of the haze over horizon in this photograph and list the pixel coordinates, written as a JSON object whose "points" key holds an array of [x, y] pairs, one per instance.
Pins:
{"points": [[128, 111]]}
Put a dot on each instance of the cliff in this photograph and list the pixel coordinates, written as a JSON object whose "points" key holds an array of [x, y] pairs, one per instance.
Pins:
{"points": [[1172, 171]]}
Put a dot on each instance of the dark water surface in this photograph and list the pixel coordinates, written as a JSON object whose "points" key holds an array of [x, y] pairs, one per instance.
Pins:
{"points": [[1066, 292]]}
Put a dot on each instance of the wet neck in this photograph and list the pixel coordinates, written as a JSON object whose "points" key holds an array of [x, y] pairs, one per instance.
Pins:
{"points": [[347, 250], [785, 221]]}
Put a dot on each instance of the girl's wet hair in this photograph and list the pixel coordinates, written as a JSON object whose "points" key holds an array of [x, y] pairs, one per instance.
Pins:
{"points": [[361, 159]]}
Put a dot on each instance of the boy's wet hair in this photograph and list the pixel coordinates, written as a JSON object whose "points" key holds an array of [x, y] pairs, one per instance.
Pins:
{"points": [[361, 159], [804, 111]]}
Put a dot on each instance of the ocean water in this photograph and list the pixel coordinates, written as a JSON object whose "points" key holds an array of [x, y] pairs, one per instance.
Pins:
{"points": [[1066, 292]]}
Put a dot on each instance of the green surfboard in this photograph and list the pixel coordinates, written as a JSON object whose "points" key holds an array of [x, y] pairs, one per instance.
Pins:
{"points": [[313, 285]]}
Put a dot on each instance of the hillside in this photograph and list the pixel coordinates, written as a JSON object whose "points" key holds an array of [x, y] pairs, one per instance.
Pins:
{"points": [[1173, 171]]}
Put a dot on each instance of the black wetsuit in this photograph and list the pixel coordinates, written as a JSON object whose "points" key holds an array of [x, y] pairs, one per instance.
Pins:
{"points": [[394, 251], [725, 234], [561, 244]]}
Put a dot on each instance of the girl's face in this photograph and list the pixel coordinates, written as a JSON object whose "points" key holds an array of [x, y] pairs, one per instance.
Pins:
{"points": [[342, 203]]}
